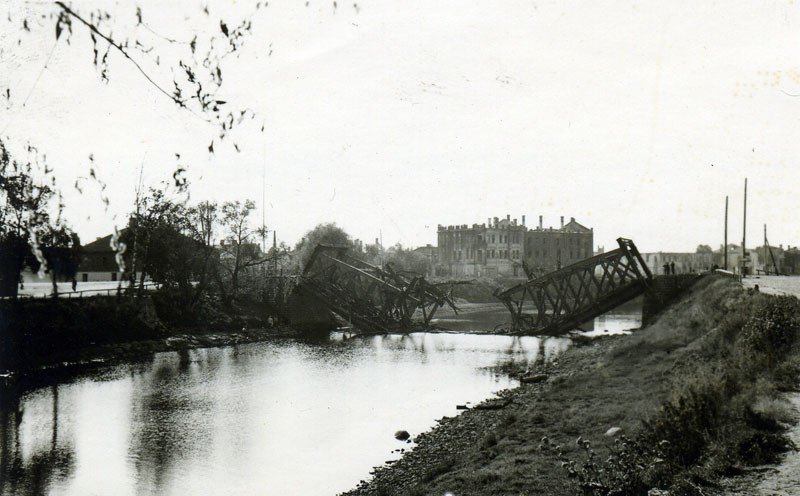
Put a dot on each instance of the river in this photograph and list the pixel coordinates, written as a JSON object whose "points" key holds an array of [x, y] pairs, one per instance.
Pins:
{"points": [[272, 418]]}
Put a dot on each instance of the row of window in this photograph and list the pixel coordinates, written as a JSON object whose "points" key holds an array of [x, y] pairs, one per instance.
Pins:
{"points": [[469, 254], [513, 254], [515, 238]]}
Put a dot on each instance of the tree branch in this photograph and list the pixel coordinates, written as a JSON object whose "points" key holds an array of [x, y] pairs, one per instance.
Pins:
{"points": [[125, 54]]}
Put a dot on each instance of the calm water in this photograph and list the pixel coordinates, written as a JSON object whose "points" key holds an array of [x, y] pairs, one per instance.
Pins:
{"points": [[276, 418]]}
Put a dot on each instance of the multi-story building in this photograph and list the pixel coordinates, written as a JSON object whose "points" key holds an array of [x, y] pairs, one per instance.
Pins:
{"points": [[499, 247], [791, 261]]}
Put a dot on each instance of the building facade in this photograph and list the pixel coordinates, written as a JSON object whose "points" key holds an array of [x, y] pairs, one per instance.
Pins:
{"points": [[499, 247]]}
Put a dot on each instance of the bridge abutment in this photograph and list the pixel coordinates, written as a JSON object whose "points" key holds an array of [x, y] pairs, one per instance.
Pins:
{"points": [[663, 290]]}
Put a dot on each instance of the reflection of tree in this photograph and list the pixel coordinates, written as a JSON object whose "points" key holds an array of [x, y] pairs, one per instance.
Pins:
{"points": [[166, 421], [45, 467]]}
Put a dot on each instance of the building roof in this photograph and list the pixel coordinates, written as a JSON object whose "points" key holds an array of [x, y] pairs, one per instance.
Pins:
{"points": [[574, 227], [99, 245]]}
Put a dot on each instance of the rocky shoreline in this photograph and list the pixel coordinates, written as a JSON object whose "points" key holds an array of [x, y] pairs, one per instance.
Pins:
{"points": [[674, 408], [438, 450]]}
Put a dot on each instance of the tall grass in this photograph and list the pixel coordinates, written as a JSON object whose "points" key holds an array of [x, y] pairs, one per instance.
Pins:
{"points": [[737, 352]]}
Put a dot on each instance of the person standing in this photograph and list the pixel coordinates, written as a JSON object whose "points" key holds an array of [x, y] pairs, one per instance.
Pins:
{"points": [[672, 267]]}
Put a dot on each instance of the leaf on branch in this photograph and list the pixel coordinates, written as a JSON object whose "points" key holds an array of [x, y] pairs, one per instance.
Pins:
{"points": [[211, 147], [224, 28]]}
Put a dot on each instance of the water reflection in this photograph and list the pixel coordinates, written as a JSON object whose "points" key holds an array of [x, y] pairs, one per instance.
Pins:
{"points": [[32, 452], [283, 417]]}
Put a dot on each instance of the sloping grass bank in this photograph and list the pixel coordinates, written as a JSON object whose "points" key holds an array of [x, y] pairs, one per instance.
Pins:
{"points": [[724, 409], [696, 396]]}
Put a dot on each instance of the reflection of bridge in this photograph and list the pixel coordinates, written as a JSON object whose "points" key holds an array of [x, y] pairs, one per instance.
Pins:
{"points": [[560, 301]]}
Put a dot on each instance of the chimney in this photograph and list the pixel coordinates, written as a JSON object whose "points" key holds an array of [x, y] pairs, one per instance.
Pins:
{"points": [[489, 221], [508, 217], [540, 222], [562, 222], [572, 219], [523, 220], [495, 221], [514, 222]]}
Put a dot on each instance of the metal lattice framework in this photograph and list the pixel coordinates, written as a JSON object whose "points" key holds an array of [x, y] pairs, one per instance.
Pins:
{"points": [[562, 300], [375, 299]]}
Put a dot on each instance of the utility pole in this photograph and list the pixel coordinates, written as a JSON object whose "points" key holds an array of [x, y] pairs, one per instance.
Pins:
{"points": [[274, 252], [744, 230], [263, 208], [136, 227], [380, 233], [725, 246]]}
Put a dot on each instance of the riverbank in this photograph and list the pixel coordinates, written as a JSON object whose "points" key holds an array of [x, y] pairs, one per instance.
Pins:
{"points": [[676, 406], [49, 334]]}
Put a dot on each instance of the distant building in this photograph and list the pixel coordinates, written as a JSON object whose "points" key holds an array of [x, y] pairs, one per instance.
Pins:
{"points": [[791, 261], [771, 258], [499, 247], [431, 254], [98, 261], [752, 259], [685, 262]]}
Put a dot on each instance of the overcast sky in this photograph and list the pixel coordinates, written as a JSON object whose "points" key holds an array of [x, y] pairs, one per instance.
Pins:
{"points": [[636, 118]]}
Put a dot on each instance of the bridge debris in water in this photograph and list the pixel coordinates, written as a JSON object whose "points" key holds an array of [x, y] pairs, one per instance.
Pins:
{"points": [[372, 298], [560, 301]]}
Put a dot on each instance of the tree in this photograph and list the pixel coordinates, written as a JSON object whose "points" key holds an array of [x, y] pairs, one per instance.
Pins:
{"points": [[24, 216], [195, 67], [407, 260], [703, 249], [239, 252], [329, 234], [164, 248], [203, 219], [60, 248]]}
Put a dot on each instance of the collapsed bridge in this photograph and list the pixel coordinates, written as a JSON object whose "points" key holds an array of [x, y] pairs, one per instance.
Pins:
{"points": [[375, 299], [561, 301]]}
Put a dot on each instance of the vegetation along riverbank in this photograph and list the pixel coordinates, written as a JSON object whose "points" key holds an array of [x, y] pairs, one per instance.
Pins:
{"points": [[691, 399], [48, 333]]}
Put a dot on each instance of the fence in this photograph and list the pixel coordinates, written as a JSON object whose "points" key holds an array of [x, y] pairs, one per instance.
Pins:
{"points": [[148, 286]]}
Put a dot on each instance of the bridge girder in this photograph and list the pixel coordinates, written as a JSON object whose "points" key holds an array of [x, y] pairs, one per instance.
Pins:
{"points": [[376, 299], [562, 300]]}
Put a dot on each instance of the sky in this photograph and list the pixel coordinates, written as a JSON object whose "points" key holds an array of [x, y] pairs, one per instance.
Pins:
{"points": [[389, 118]]}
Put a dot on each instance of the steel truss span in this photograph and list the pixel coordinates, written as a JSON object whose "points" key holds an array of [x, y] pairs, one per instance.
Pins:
{"points": [[561, 301], [374, 299]]}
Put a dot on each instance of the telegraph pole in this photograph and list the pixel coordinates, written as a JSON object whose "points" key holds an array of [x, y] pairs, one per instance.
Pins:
{"points": [[744, 229], [725, 246], [765, 250]]}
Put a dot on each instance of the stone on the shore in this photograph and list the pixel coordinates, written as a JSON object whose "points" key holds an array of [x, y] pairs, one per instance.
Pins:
{"points": [[613, 431], [533, 379], [402, 435]]}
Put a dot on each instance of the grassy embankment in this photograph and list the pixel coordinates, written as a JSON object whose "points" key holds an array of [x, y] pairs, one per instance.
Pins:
{"points": [[697, 396]]}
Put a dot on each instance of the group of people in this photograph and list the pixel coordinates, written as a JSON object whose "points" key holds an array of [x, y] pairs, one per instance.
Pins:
{"points": [[669, 268]]}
